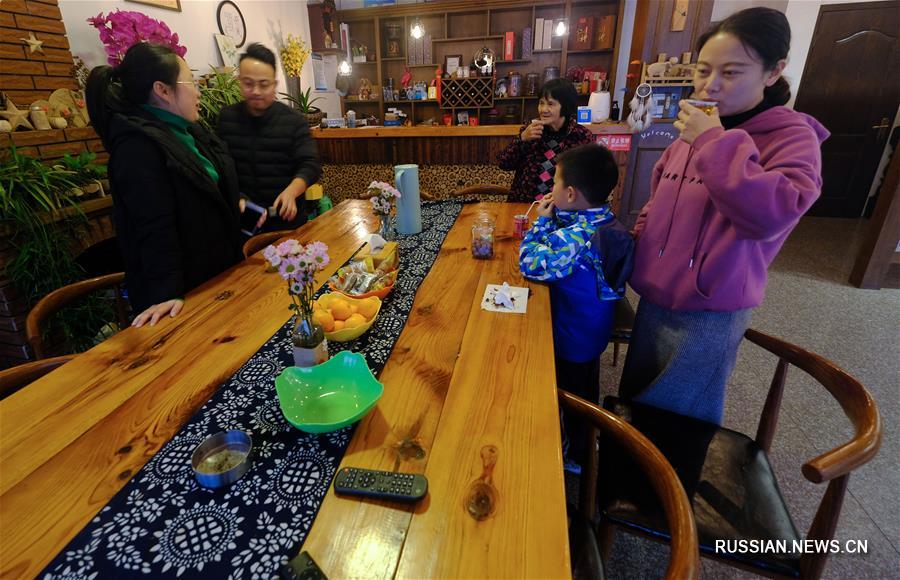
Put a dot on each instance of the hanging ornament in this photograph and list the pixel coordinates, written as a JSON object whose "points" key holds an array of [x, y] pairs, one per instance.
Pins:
{"points": [[639, 118]]}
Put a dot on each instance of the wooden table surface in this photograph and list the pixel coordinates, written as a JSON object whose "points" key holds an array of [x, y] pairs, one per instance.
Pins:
{"points": [[469, 400]]}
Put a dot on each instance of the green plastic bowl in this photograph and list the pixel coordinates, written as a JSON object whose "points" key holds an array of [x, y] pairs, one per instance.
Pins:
{"points": [[329, 396]]}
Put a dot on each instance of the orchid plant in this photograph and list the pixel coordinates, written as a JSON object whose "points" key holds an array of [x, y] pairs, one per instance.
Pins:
{"points": [[120, 30], [383, 197], [298, 265]]}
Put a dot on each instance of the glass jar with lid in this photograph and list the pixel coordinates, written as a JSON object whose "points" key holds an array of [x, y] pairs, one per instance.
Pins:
{"points": [[483, 237], [550, 73]]}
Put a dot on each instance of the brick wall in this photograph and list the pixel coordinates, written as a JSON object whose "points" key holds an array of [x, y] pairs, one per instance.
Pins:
{"points": [[27, 76]]}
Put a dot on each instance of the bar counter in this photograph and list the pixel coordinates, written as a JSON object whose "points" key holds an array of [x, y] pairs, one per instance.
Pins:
{"points": [[443, 145]]}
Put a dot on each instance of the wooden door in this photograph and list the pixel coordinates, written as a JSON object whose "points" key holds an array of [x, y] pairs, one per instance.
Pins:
{"points": [[851, 84], [646, 149]]}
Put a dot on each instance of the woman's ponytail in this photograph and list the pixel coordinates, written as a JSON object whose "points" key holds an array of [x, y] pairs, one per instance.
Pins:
{"points": [[100, 98], [779, 93]]}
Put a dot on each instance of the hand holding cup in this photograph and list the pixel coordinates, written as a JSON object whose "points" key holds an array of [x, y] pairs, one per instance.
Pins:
{"points": [[533, 130], [693, 120]]}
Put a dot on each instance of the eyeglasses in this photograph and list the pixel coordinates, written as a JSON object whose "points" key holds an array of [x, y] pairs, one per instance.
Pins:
{"points": [[194, 82], [249, 84]]}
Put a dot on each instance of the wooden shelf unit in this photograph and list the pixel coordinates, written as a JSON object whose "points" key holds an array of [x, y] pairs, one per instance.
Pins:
{"points": [[455, 27]]}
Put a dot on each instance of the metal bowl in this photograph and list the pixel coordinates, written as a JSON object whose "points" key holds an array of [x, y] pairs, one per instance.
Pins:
{"points": [[222, 458]]}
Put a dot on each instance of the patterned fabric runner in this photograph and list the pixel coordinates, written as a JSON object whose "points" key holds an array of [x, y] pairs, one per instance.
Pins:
{"points": [[163, 524]]}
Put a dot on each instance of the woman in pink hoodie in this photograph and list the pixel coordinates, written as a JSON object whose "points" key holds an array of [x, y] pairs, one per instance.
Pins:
{"points": [[724, 197]]}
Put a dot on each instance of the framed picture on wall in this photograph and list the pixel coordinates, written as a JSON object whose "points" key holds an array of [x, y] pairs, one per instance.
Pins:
{"points": [[451, 63], [231, 22], [167, 4], [227, 50]]}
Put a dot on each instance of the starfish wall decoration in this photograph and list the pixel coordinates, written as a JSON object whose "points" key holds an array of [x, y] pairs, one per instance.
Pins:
{"points": [[16, 117], [33, 43]]}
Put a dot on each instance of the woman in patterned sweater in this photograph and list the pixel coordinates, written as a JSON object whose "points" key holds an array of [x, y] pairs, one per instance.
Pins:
{"points": [[534, 152]]}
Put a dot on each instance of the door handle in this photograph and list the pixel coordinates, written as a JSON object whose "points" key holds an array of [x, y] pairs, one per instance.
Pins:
{"points": [[882, 128]]}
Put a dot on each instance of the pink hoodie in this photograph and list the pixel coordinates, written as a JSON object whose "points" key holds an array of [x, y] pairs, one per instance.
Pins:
{"points": [[721, 209]]}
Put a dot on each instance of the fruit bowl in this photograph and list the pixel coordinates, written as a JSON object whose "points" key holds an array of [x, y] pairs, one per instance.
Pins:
{"points": [[368, 308], [329, 396], [381, 293]]}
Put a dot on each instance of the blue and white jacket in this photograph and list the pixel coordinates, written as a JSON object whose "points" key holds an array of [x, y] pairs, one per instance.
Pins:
{"points": [[558, 251]]}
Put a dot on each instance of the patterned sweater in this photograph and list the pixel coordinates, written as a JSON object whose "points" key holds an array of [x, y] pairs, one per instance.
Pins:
{"points": [[558, 251], [535, 161]]}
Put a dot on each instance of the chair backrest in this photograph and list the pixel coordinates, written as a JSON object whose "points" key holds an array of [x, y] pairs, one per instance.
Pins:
{"points": [[260, 241], [851, 395], [13, 379], [61, 297], [684, 559], [481, 190]]}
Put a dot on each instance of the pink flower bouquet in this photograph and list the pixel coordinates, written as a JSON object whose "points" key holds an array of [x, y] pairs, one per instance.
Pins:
{"points": [[384, 195], [120, 30], [298, 265]]}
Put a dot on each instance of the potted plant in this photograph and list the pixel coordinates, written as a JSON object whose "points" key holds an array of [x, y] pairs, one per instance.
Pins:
{"points": [[218, 89], [303, 103], [42, 221]]}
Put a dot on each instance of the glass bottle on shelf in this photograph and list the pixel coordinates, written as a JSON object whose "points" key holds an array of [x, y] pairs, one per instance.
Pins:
{"points": [[515, 84], [531, 84]]}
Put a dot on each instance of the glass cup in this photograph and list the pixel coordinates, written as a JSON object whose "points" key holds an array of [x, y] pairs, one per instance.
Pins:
{"points": [[706, 106]]}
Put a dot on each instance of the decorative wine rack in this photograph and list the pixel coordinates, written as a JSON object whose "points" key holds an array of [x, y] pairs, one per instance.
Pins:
{"points": [[470, 93]]}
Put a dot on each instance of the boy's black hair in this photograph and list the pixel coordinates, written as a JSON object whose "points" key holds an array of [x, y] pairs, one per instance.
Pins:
{"points": [[258, 51], [591, 169]]}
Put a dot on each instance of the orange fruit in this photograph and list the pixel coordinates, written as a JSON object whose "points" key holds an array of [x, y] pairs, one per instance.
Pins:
{"points": [[354, 321], [367, 308], [338, 325], [324, 319], [340, 309], [354, 308]]}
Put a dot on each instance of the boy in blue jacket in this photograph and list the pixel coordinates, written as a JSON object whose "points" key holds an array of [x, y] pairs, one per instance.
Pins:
{"points": [[566, 248]]}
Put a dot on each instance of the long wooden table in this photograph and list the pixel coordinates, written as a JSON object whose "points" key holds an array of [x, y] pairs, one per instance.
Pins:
{"points": [[469, 400]]}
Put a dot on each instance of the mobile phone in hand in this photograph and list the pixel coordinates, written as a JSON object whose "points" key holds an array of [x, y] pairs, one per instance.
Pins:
{"points": [[250, 217]]}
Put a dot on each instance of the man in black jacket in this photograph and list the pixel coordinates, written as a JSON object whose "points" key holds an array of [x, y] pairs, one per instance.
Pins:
{"points": [[275, 155]]}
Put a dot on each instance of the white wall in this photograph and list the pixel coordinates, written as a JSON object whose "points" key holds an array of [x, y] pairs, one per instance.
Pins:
{"points": [[267, 21]]}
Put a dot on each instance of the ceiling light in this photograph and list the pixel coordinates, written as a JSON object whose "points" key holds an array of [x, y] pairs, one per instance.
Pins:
{"points": [[417, 30]]}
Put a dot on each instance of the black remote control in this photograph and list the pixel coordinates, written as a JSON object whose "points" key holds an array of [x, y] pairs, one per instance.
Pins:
{"points": [[380, 484]]}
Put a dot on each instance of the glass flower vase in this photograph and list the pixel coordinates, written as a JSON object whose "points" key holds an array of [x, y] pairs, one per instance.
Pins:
{"points": [[310, 344], [387, 230]]}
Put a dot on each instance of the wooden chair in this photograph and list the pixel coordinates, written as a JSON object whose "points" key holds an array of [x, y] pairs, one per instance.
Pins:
{"points": [[13, 379], [684, 561], [623, 323], [729, 479], [260, 241], [61, 297]]}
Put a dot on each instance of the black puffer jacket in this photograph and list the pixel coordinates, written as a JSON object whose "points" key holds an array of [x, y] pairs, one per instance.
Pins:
{"points": [[269, 152], [176, 227]]}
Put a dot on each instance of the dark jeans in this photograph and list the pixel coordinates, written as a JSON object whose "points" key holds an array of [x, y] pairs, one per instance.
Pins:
{"points": [[581, 379]]}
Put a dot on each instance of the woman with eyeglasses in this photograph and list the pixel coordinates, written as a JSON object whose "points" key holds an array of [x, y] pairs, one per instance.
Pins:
{"points": [[175, 190], [275, 154]]}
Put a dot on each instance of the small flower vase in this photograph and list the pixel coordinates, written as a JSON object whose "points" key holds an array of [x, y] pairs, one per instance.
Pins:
{"points": [[387, 230], [310, 345]]}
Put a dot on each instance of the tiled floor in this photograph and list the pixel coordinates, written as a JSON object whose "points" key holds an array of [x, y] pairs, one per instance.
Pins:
{"points": [[810, 303]]}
